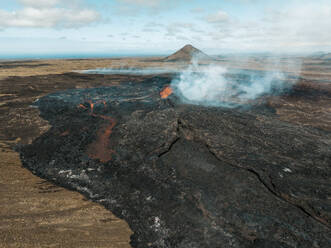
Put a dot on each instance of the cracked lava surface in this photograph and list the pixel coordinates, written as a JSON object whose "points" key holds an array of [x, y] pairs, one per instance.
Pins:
{"points": [[189, 176]]}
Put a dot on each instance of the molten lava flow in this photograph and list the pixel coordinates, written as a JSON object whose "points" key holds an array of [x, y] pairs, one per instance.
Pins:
{"points": [[99, 149], [91, 105], [167, 91], [65, 133], [81, 106]]}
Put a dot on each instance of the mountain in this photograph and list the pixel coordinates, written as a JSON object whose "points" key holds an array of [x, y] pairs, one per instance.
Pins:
{"points": [[186, 54], [322, 55], [326, 56]]}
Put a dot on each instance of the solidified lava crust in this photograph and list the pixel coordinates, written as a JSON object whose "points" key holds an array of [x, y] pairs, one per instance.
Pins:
{"points": [[188, 176]]}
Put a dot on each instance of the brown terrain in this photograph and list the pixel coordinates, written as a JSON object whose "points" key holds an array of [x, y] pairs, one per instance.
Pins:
{"points": [[36, 213]]}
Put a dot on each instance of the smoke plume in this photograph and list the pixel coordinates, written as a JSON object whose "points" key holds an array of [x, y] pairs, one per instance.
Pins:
{"points": [[216, 85]]}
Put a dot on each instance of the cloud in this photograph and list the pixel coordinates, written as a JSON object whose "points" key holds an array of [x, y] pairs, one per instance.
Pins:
{"points": [[47, 14], [298, 26], [152, 27], [150, 30], [181, 37], [153, 24], [197, 37], [39, 3], [152, 7], [219, 17], [197, 10], [145, 3], [177, 28]]}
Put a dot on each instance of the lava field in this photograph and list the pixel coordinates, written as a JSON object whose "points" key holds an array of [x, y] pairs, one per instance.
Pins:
{"points": [[186, 175]]}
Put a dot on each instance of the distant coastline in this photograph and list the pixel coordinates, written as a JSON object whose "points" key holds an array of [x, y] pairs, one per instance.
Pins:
{"points": [[8, 57]]}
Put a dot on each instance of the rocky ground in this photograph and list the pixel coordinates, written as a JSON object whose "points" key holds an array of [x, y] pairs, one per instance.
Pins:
{"points": [[34, 212], [191, 176], [180, 175]]}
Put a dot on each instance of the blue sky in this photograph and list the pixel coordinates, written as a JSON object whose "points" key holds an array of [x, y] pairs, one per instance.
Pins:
{"points": [[162, 26]]}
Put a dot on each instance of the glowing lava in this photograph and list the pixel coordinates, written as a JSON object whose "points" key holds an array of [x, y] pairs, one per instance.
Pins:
{"points": [[82, 106], [91, 105], [65, 133], [167, 91], [99, 149]]}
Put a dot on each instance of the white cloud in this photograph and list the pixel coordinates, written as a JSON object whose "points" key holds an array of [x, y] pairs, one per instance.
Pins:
{"points": [[197, 38], [182, 37], [294, 25], [197, 10], [40, 3], [178, 28], [298, 26], [153, 24], [47, 14], [219, 17], [151, 7], [146, 3], [149, 30]]}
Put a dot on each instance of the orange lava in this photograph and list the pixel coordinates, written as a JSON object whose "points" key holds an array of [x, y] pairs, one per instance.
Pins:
{"points": [[167, 91], [65, 133], [91, 105], [81, 106], [100, 148]]}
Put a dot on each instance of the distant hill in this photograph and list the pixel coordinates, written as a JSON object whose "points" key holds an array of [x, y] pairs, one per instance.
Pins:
{"points": [[186, 54], [326, 56], [322, 55]]}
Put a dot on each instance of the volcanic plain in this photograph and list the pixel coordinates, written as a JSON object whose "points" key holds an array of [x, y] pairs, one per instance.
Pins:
{"points": [[260, 177]]}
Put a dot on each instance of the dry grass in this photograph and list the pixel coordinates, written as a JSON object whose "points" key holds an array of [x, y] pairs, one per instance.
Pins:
{"points": [[310, 68], [59, 66]]}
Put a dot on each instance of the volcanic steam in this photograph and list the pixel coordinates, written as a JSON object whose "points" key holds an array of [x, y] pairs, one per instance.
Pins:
{"points": [[215, 85]]}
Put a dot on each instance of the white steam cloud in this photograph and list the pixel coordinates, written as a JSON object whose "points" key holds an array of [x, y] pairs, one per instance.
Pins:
{"points": [[48, 14], [215, 85]]}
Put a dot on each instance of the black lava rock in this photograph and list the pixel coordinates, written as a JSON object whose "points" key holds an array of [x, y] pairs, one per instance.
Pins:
{"points": [[188, 176]]}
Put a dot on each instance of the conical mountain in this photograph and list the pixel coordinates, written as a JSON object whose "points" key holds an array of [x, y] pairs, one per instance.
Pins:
{"points": [[186, 54]]}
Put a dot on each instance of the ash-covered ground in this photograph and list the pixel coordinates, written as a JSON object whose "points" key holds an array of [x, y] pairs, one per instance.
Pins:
{"points": [[186, 175]]}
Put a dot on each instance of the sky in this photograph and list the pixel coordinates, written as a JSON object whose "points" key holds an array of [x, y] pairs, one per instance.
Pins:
{"points": [[157, 27]]}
